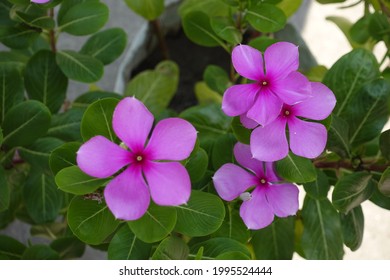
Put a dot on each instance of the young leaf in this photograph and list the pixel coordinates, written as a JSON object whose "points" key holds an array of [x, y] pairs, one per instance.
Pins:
{"points": [[171, 248], [205, 95], [148, 9], [296, 169], [266, 17], [353, 228]]}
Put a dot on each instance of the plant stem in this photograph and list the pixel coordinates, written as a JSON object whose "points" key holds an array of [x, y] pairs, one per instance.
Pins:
{"points": [[52, 35], [160, 36]]}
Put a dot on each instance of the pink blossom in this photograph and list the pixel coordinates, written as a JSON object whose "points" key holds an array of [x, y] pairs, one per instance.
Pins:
{"points": [[269, 197], [40, 1], [150, 167], [276, 82]]}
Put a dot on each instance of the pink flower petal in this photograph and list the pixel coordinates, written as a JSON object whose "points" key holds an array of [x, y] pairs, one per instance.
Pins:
{"points": [[269, 143], [283, 199], [307, 139], [238, 99], [231, 180], [40, 1], [244, 157], [132, 123], [270, 172], [319, 106], [127, 195], [247, 122], [281, 59], [248, 62], [172, 139], [99, 157], [294, 88], [266, 108], [169, 183], [256, 212]]}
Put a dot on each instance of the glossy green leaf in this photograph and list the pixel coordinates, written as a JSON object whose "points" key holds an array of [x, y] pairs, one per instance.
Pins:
{"points": [[226, 29], [289, 7], [213, 8], [14, 59], [384, 183], [79, 67], [148, 9], [319, 188], [353, 228], [233, 256], [64, 156], [40, 21], [45, 81], [379, 26], [155, 225], [84, 100], [316, 73], [40, 252], [351, 190], [322, 233], [67, 5], [155, 88], [68, 247], [216, 78], [196, 164], [266, 17], [359, 30], [97, 119], [11, 248], [17, 37], [41, 196], [380, 200], [171, 248], [275, 242], [106, 45], [338, 137], [296, 169], [5, 195], [84, 18], [126, 246], [202, 215], [90, 220], [73, 180], [25, 122], [262, 43], [345, 26], [233, 227], [205, 95], [384, 145], [241, 133], [223, 150], [66, 126]]}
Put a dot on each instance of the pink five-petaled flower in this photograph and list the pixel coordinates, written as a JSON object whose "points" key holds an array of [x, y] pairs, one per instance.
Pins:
{"points": [[40, 1], [276, 82], [270, 196], [150, 168], [307, 139]]}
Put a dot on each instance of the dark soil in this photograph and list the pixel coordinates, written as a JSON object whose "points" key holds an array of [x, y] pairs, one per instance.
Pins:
{"points": [[192, 60]]}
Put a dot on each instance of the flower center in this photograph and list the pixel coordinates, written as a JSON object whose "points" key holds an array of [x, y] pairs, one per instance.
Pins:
{"points": [[287, 113], [263, 181], [264, 83], [139, 158]]}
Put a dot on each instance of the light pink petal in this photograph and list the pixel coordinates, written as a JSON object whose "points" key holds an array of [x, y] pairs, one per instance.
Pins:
{"points": [[247, 122], [283, 199], [269, 143], [293, 89], [319, 105], [280, 59], [266, 108], [248, 62], [169, 183], [40, 1], [231, 180], [127, 195], [172, 139], [244, 157], [307, 139], [238, 99], [270, 172], [256, 212], [132, 123], [99, 157]]}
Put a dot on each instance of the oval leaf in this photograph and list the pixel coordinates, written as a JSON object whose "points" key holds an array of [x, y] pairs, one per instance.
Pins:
{"points": [[196, 164], [266, 17], [171, 248], [148, 9], [11, 248], [384, 141], [353, 228], [68, 247], [319, 188], [40, 252], [296, 169], [384, 183], [63, 156], [215, 247], [66, 126]]}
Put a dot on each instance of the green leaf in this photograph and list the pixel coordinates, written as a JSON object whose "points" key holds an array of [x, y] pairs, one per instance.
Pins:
{"points": [[223, 150], [40, 252], [80, 67], [296, 169], [384, 141], [66, 126], [5, 195], [319, 188], [216, 78], [97, 119], [225, 28], [25, 122], [379, 26], [106, 45], [266, 17], [11, 248], [84, 100], [347, 76], [322, 233], [384, 183], [197, 27], [37, 21], [202, 215], [379, 199], [215, 247], [205, 95], [17, 37], [171, 248], [359, 30], [275, 242], [90, 220], [338, 137], [155, 225], [73, 180], [316, 73], [345, 26], [68, 247], [45, 81], [126, 246], [213, 8], [148, 9], [11, 88], [262, 43], [196, 164], [289, 7], [84, 18], [63, 156], [241, 133], [351, 190], [155, 88], [353, 227], [232, 256], [330, 1]]}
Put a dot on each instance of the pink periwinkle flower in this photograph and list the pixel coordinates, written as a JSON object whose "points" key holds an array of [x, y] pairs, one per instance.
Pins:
{"points": [[150, 167], [40, 1], [307, 139], [276, 82], [269, 197]]}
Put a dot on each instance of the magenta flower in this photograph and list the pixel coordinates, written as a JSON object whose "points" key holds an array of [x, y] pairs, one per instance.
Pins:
{"points": [[276, 82], [307, 139], [40, 1], [269, 197], [150, 170]]}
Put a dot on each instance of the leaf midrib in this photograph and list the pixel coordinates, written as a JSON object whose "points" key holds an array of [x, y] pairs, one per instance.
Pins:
{"points": [[20, 127], [74, 60]]}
